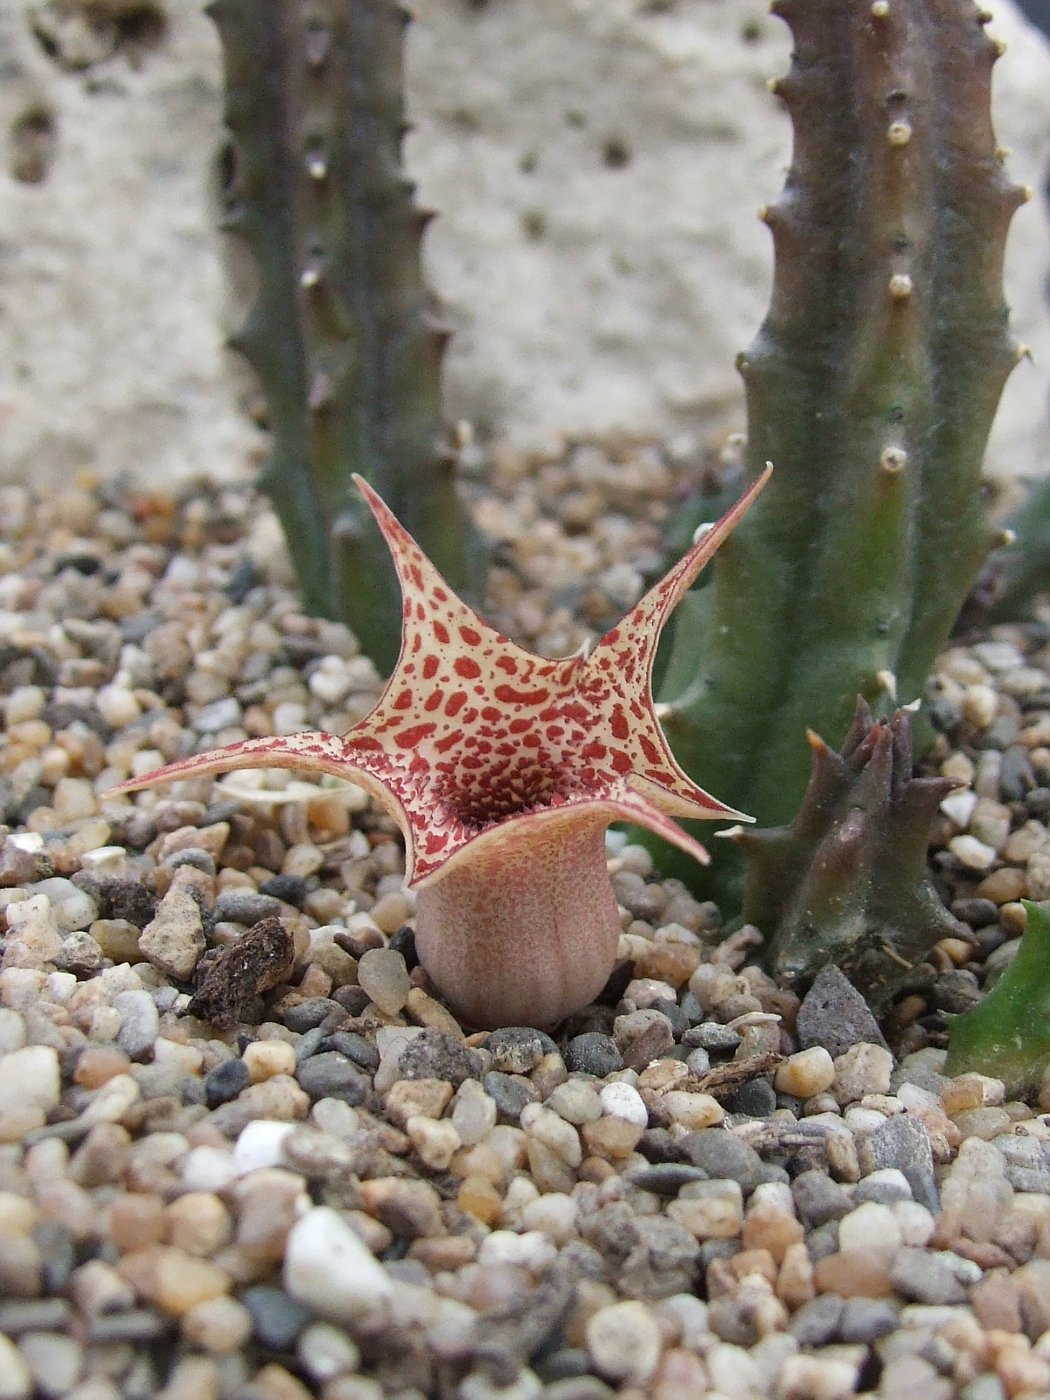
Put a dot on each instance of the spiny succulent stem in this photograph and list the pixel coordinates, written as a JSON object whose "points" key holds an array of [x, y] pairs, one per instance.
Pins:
{"points": [[341, 335], [871, 387]]}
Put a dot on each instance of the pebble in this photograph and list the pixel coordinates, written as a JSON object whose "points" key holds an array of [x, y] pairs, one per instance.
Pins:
{"points": [[277, 1318], [722, 1155], [174, 940], [225, 1081], [806, 1073], [16, 1382], [30, 1077], [384, 976], [260, 1144], [139, 1023], [833, 1014], [333, 1076], [434, 1055], [328, 1268], [624, 1342], [923, 1276], [593, 1053], [621, 1100]]}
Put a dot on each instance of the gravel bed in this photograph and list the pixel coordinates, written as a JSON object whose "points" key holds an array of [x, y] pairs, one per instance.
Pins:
{"points": [[246, 1152]]}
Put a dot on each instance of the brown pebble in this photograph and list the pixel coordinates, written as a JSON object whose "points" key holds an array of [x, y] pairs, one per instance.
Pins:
{"points": [[611, 1137], [137, 1220], [98, 1063], [171, 1279], [855, 1273], [996, 1303], [411, 1208], [408, 1097]]}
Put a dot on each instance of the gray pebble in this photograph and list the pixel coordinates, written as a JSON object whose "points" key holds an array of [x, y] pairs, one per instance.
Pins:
{"points": [[223, 1083], [333, 1076], [818, 1199], [817, 1322], [34, 1315], [434, 1055], [139, 1024], [882, 1190], [725, 1158], [1029, 1179], [58, 1255], [194, 856], [835, 1015], [135, 1325], [1016, 776], [823, 1240], [289, 889], [924, 1277], [902, 1142], [563, 1364], [976, 912], [313, 1011], [868, 1319], [355, 1047], [309, 1043], [511, 1093], [755, 1099], [712, 1036], [665, 1178], [593, 1053], [245, 906], [277, 1317]]}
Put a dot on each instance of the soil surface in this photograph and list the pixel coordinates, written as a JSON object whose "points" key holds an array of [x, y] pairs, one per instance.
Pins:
{"points": [[246, 1151]]}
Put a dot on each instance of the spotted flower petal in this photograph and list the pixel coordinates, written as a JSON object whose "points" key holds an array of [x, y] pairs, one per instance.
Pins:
{"points": [[503, 770]]}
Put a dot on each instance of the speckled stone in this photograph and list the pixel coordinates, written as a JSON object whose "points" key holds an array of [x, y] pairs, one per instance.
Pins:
{"points": [[593, 1053], [518, 1049], [434, 1055]]}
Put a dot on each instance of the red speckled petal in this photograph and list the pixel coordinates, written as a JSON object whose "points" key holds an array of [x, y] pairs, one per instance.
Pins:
{"points": [[622, 666], [311, 751]]}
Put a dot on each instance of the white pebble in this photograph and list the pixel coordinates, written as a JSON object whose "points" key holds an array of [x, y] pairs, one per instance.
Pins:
{"points": [[261, 1144], [971, 853], [870, 1226], [915, 1223], [209, 1169], [958, 807], [117, 705], [30, 1078], [531, 1250], [331, 1269], [620, 1100], [15, 1380], [624, 1341]]}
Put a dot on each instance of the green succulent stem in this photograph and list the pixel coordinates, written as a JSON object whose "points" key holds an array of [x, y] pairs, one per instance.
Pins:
{"points": [[341, 335], [1007, 1035], [871, 387], [846, 882]]}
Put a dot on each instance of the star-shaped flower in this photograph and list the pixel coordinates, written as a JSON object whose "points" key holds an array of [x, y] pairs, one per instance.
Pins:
{"points": [[503, 770]]}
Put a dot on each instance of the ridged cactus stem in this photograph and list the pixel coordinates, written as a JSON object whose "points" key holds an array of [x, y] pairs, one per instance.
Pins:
{"points": [[341, 334], [871, 387]]}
